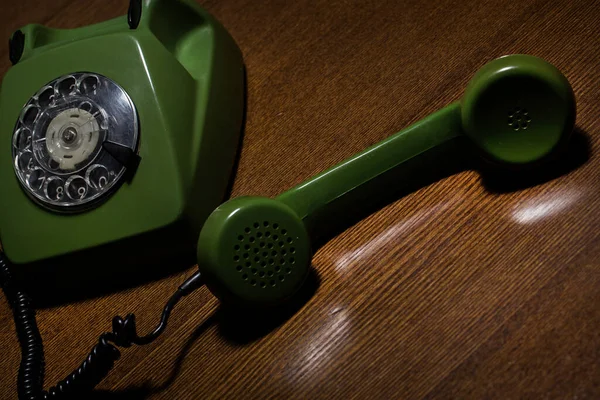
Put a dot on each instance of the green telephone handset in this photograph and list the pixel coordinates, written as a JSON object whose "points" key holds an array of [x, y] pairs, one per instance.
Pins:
{"points": [[518, 110], [125, 144]]}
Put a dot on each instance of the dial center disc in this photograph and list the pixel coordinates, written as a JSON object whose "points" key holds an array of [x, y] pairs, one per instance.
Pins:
{"points": [[72, 138]]}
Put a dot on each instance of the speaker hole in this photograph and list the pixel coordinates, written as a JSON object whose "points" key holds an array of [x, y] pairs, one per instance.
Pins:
{"points": [[281, 278], [239, 268], [253, 282], [247, 230], [246, 255], [241, 238], [266, 223], [236, 247], [263, 284], [245, 276], [256, 225], [254, 271], [273, 283], [275, 226], [236, 258], [261, 274], [283, 232], [259, 235], [252, 239]]}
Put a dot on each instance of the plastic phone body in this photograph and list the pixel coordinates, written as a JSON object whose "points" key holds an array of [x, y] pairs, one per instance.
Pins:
{"points": [[185, 75]]}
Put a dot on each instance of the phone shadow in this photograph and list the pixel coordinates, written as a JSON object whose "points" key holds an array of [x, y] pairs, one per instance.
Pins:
{"points": [[577, 153]]}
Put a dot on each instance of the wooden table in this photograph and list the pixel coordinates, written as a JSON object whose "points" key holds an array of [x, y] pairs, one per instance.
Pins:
{"points": [[463, 288]]}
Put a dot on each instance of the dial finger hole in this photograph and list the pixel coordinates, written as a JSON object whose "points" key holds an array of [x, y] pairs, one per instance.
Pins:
{"points": [[25, 162], [36, 179], [22, 139], [66, 86], [89, 84], [46, 97], [54, 188], [29, 115], [97, 176], [76, 187]]}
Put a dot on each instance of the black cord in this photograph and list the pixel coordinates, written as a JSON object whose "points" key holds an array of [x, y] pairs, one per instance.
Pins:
{"points": [[101, 358]]}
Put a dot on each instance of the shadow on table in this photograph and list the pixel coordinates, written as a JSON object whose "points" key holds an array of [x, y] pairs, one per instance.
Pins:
{"points": [[453, 157], [238, 327]]}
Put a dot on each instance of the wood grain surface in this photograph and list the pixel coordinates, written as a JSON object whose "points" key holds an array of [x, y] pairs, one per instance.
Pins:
{"points": [[461, 289]]}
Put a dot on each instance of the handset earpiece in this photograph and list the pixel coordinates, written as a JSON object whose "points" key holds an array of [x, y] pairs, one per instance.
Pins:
{"points": [[517, 110]]}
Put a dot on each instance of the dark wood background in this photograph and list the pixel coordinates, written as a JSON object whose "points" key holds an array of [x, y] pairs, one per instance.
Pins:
{"points": [[456, 290]]}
